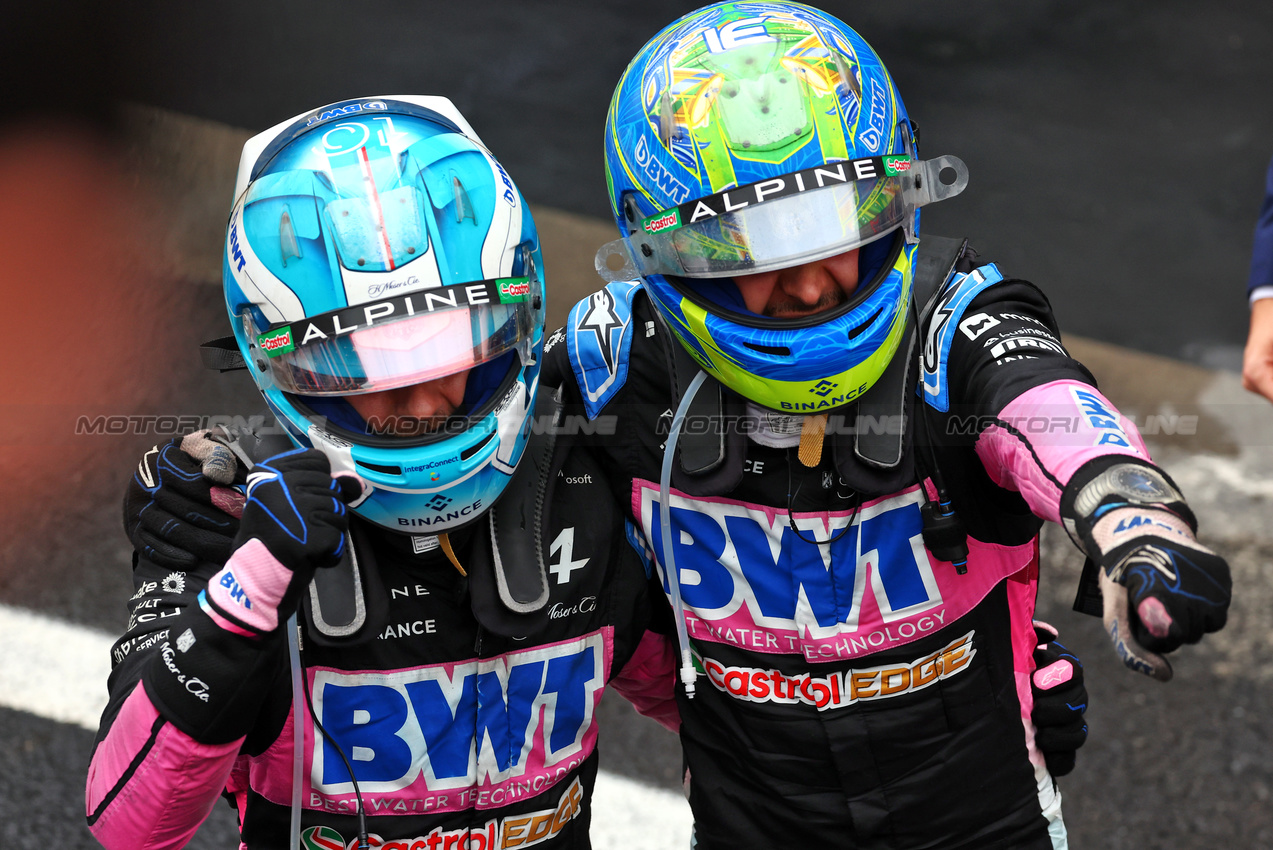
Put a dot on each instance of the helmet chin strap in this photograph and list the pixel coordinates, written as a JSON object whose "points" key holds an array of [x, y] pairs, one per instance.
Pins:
{"points": [[811, 434], [445, 540]]}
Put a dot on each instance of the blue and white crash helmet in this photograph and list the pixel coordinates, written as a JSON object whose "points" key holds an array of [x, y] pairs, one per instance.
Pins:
{"points": [[376, 244]]}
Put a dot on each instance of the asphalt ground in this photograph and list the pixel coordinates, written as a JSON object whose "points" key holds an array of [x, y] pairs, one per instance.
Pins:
{"points": [[1117, 153]]}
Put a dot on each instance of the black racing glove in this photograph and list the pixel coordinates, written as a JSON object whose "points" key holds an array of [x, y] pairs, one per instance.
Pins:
{"points": [[178, 511], [1059, 701], [294, 523], [1159, 586], [207, 676]]}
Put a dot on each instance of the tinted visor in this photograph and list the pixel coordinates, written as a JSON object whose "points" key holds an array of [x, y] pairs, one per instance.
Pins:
{"points": [[781, 222], [400, 341]]}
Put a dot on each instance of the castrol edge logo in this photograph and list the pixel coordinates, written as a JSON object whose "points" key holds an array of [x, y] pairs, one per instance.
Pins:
{"points": [[841, 688]]}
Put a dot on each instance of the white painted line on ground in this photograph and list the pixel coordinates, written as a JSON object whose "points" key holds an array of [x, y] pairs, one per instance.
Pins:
{"points": [[628, 815], [58, 671], [53, 669]]}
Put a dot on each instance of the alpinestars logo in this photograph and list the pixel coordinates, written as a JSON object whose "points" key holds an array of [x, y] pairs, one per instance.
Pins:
{"points": [[940, 319], [1147, 556], [602, 319], [257, 478], [143, 469]]}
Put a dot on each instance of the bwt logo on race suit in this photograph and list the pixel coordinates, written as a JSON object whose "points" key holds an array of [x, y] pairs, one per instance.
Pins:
{"points": [[1101, 418], [481, 733], [234, 590], [748, 580]]}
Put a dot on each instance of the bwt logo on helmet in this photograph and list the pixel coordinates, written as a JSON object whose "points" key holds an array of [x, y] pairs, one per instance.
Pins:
{"points": [[510, 194], [345, 109], [458, 726], [873, 135], [655, 170], [235, 251]]}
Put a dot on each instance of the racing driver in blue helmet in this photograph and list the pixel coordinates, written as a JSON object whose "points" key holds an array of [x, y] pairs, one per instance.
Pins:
{"points": [[174, 516], [822, 439], [362, 639]]}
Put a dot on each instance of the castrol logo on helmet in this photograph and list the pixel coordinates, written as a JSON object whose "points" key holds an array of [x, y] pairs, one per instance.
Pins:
{"points": [[655, 224], [512, 290], [896, 164], [276, 342]]}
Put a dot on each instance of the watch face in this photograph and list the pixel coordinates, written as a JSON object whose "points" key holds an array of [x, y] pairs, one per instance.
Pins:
{"points": [[1141, 484]]}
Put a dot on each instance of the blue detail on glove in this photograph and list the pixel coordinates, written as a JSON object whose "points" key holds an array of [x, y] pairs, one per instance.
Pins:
{"points": [[169, 514], [1176, 593], [297, 509]]}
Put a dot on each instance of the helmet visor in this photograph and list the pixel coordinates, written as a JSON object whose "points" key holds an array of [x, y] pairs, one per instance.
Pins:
{"points": [[783, 221], [400, 341]]}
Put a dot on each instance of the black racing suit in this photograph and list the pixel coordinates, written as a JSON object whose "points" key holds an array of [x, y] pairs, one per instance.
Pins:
{"points": [[861, 693], [462, 729]]}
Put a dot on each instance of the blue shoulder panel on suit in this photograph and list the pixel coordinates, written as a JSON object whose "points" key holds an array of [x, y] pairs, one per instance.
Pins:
{"points": [[948, 319], [599, 340]]}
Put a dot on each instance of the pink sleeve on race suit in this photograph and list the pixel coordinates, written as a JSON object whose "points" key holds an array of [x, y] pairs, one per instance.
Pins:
{"points": [[1048, 432], [154, 784], [648, 680]]}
